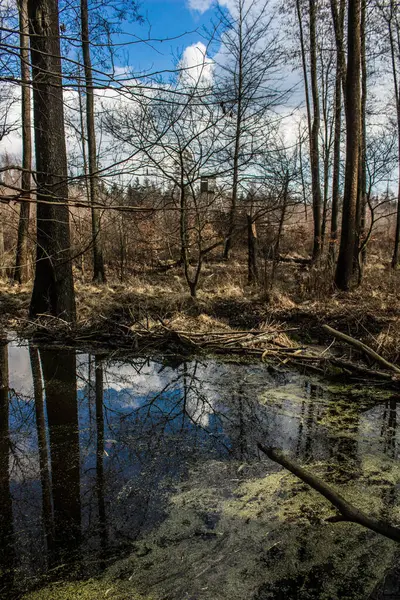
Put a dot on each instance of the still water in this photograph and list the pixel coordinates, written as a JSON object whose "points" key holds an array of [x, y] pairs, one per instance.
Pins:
{"points": [[108, 461]]}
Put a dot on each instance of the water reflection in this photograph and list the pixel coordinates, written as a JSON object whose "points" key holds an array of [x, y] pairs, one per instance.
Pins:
{"points": [[91, 447], [59, 375], [44, 460], [6, 515]]}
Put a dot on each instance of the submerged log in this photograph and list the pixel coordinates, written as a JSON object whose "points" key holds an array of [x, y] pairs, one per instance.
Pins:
{"points": [[348, 512]]}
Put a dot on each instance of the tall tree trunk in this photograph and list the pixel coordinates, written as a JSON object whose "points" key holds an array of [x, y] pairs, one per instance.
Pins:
{"points": [[338, 18], [327, 146], [306, 91], [53, 290], [362, 194], [303, 185], [98, 261], [396, 251], [344, 268], [314, 139], [338, 14], [238, 135], [21, 271]]}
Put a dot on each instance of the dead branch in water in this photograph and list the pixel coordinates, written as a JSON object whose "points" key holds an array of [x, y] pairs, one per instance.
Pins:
{"points": [[363, 347], [348, 512]]}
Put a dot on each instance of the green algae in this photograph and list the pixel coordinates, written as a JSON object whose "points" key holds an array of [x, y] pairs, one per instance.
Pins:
{"points": [[227, 536], [87, 590], [242, 532]]}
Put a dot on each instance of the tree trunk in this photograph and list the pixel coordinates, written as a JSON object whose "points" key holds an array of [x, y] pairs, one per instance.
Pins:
{"points": [[252, 244], [338, 18], [363, 173], [53, 290], [21, 271], [280, 230], [336, 168], [328, 136], [314, 139], [344, 267], [238, 134], [362, 169], [98, 261], [306, 90], [396, 251]]}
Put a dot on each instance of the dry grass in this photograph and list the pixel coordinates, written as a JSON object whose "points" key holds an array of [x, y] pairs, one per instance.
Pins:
{"points": [[302, 300]]}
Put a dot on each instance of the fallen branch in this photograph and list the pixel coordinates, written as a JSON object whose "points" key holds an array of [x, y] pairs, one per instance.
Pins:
{"points": [[348, 512], [363, 347]]}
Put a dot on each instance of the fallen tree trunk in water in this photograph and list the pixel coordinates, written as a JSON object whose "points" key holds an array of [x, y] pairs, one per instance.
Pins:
{"points": [[363, 347], [348, 512]]}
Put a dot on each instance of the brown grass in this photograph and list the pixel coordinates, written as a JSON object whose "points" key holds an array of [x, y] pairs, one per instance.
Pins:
{"points": [[302, 300]]}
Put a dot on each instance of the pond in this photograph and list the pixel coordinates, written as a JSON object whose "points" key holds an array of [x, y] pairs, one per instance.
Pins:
{"points": [[148, 470]]}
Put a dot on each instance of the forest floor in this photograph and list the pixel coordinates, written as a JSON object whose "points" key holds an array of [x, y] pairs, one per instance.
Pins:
{"points": [[301, 301]]}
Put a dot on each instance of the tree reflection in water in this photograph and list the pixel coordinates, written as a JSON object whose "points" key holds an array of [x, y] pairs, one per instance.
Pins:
{"points": [[59, 375], [6, 515], [98, 446]]}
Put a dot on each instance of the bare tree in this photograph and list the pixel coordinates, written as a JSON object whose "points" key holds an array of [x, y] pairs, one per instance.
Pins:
{"points": [[313, 113], [99, 275], [247, 88], [338, 19], [390, 13], [21, 271]]}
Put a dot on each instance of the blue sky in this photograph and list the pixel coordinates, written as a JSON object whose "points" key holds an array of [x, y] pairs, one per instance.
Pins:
{"points": [[163, 19]]}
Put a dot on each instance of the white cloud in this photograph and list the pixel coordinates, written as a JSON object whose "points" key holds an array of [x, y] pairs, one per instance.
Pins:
{"points": [[198, 67], [200, 5]]}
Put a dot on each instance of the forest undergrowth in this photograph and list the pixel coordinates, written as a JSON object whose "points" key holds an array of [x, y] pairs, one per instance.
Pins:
{"points": [[298, 304]]}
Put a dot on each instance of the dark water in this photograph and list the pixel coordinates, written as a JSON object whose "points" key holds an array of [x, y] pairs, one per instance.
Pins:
{"points": [[92, 447]]}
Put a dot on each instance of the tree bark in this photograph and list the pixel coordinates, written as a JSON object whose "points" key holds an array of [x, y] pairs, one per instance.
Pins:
{"points": [[21, 271], [362, 174], [344, 268], [282, 218], [252, 245], [338, 19], [99, 275], [396, 251], [314, 139], [238, 134], [53, 290]]}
